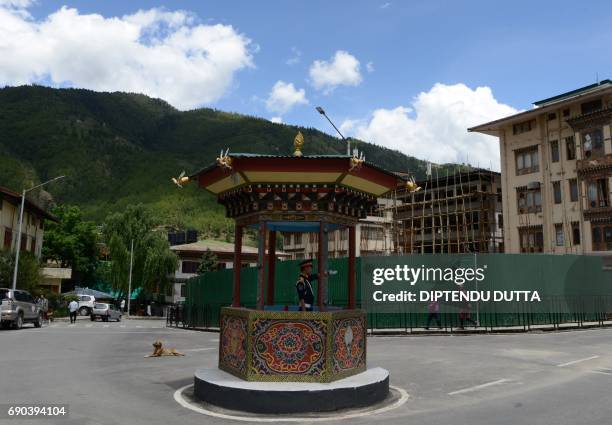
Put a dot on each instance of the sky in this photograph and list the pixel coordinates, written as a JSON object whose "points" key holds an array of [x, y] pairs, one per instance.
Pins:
{"points": [[408, 75]]}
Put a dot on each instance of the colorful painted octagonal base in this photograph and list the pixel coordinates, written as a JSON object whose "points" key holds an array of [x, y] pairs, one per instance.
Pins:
{"points": [[292, 346]]}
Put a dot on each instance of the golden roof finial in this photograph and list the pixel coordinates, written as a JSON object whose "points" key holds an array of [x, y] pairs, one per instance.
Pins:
{"points": [[298, 142]]}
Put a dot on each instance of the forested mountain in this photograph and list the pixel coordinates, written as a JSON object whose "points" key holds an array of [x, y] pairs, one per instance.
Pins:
{"points": [[123, 148]]}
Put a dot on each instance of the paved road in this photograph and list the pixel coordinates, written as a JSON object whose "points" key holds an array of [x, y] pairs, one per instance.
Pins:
{"points": [[99, 370]]}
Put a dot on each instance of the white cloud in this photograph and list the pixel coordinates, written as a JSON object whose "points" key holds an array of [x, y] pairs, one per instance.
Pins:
{"points": [[296, 56], [385, 5], [342, 69], [157, 52], [277, 120], [17, 4], [435, 126], [370, 66], [285, 96]]}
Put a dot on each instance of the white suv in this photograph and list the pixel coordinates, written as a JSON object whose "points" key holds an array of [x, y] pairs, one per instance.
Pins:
{"points": [[18, 307], [86, 304]]}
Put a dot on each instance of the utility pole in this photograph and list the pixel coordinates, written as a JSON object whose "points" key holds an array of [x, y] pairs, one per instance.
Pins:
{"points": [[18, 246], [130, 278]]}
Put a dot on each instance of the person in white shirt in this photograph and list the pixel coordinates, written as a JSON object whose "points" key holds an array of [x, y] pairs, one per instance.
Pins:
{"points": [[73, 307], [122, 305]]}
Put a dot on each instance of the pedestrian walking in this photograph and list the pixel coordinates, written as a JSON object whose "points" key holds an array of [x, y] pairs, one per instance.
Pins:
{"points": [[122, 304], [73, 307], [434, 314], [465, 315], [44, 307]]}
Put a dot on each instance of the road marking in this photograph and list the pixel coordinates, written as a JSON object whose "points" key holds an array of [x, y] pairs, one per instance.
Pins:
{"points": [[122, 326], [577, 361], [88, 326], [178, 397], [105, 326], [138, 326], [201, 349], [602, 371], [479, 387]]}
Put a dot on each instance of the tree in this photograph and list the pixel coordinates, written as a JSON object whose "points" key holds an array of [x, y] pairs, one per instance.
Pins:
{"points": [[210, 262], [28, 275], [153, 259], [72, 242]]}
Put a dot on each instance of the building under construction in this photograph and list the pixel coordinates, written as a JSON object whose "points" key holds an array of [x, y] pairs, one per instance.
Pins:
{"points": [[451, 213]]}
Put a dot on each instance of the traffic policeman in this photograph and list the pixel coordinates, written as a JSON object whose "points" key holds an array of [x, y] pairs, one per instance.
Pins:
{"points": [[304, 286]]}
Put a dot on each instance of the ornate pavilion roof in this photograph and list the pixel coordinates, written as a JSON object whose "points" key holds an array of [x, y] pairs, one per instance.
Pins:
{"points": [[242, 169]]}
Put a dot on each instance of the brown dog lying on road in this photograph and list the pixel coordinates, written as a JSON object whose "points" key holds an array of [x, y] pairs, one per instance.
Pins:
{"points": [[159, 350]]}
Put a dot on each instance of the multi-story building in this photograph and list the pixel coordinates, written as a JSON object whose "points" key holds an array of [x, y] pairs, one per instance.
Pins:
{"points": [[33, 223], [373, 233], [31, 234], [556, 164], [190, 256], [458, 213]]}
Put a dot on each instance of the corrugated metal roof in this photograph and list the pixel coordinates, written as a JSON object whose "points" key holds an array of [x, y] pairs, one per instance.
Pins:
{"points": [[215, 246]]}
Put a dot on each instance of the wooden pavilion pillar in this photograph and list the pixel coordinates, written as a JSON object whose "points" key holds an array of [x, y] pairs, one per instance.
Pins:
{"points": [[261, 264], [237, 264], [351, 267], [322, 269], [271, 266]]}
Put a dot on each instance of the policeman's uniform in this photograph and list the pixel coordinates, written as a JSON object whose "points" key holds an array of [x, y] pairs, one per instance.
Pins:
{"points": [[304, 290]]}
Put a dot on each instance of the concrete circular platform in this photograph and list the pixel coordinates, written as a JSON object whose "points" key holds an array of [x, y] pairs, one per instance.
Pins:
{"points": [[227, 391]]}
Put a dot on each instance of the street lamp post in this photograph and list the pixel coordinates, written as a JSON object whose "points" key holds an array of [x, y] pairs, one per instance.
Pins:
{"points": [[23, 194], [348, 141]]}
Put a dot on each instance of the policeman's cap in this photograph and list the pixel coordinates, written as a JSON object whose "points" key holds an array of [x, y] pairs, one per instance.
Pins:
{"points": [[305, 263]]}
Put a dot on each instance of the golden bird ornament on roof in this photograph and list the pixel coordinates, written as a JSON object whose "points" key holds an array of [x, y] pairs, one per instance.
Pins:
{"points": [[411, 185], [180, 180]]}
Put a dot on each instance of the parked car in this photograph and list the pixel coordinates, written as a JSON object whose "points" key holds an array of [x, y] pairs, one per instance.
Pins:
{"points": [[105, 312], [18, 307], [86, 304]]}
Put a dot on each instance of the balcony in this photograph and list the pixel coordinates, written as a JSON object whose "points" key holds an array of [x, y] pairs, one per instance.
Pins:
{"points": [[594, 166], [590, 120]]}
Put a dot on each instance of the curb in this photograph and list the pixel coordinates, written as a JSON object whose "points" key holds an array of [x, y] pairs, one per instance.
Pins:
{"points": [[79, 318]]}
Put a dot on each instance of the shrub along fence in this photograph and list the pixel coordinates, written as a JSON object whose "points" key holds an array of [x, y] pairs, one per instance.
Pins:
{"points": [[574, 290]]}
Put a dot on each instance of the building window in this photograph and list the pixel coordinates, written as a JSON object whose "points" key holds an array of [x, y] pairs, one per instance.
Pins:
{"points": [[570, 148], [559, 237], [597, 193], [576, 233], [529, 201], [8, 238], [532, 239], [183, 291], [297, 238], [552, 116], [592, 143], [557, 192], [190, 267], [527, 161], [554, 151], [589, 107], [287, 239], [500, 220], [566, 112], [602, 237], [573, 190], [523, 127]]}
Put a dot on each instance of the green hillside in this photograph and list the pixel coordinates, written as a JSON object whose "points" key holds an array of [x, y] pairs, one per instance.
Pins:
{"points": [[122, 148]]}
